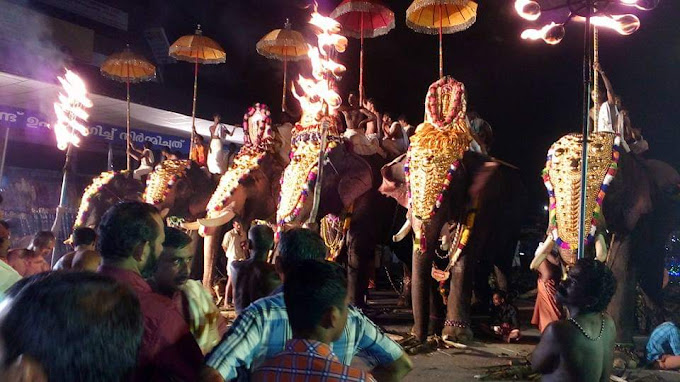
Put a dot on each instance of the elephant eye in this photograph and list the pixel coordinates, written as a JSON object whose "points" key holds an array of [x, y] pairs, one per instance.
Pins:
{"points": [[559, 152]]}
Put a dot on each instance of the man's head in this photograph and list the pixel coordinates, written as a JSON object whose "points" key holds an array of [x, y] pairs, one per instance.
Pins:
{"points": [[198, 138], [499, 298], [26, 262], [84, 238], [43, 243], [237, 225], [261, 240], [131, 230], [295, 246], [65, 326], [148, 145], [174, 262], [4, 238], [601, 95], [316, 300], [370, 104], [589, 286], [166, 150], [352, 99]]}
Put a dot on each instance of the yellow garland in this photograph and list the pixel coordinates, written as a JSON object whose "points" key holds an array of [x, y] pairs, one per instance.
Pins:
{"points": [[246, 161], [97, 183], [163, 178]]}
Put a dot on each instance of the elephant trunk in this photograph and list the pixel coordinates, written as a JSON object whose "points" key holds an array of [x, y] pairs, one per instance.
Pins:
{"points": [[210, 248], [405, 230], [542, 252], [601, 248]]}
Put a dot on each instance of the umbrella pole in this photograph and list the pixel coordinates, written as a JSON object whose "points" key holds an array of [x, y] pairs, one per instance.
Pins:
{"points": [[193, 108], [285, 83], [127, 84], [441, 48], [361, 63], [587, 71], [596, 84]]}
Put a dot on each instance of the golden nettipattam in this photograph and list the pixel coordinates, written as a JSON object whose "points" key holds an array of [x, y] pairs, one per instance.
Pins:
{"points": [[129, 68], [441, 17], [163, 178], [284, 45]]}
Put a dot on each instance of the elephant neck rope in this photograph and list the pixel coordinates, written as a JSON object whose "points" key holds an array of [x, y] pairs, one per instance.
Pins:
{"points": [[603, 158], [461, 238]]}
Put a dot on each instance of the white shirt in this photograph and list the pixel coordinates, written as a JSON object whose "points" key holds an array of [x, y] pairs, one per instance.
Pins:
{"points": [[605, 122], [360, 143], [232, 245]]}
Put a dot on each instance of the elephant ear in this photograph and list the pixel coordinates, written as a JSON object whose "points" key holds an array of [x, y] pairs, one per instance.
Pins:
{"points": [[481, 178], [394, 181], [355, 181]]}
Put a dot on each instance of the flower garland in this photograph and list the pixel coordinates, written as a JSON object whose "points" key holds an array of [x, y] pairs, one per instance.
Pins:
{"points": [[597, 211], [453, 106], [90, 191], [265, 132], [162, 179]]}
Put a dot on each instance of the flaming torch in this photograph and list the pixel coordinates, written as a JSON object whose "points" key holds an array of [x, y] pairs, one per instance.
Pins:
{"points": [[71, 114], [595, 14]]}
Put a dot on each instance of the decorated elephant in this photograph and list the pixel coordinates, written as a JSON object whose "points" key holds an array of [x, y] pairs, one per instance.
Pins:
{"points": [[179, 188], [106, 190], [464, 209], [631, 203], [249, 188]]}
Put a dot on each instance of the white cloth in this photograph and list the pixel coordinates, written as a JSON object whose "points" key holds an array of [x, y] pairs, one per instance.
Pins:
{"points": [[605, 120], [203, 315], [216, 158], [360, 143], [145, 165]]}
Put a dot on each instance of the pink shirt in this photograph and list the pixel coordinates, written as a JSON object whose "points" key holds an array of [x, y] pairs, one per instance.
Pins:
{"points": [[168, 348]]}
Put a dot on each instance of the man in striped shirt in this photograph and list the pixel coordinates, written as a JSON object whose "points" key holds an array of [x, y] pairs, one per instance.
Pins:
{"points": [[262, 330]]}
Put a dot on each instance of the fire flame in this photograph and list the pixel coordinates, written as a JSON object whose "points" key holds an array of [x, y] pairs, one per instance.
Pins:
{"points": [[551, 33], [318, 94], [70, 110], [623, 24], [528, 9]]}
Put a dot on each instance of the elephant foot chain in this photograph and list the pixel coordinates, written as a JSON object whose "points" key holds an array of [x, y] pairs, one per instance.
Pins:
{"points": [[457, 324]]}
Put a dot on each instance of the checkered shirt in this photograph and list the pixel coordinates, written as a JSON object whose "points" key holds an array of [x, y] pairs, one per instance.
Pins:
{"points": [[665, 339], [261, 332], [308, 361]]}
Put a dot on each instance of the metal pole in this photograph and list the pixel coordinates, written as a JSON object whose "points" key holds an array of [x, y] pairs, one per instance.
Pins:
{"points": [[4, 154], [361, 63], [441, 47], [62, 199], [193, 109], [285, 82], [127, 84], [596, 79], [587, 71]]}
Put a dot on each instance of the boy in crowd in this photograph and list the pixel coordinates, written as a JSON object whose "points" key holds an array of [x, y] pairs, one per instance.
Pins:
{"points": [[317, 304], [234, 244], [580, 348], [504, 320]]}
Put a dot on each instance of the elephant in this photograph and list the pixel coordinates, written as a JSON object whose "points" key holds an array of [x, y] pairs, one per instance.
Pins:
{"points": [[106, 190], [349, 188], [250, 187], [495, 191], [633, 207]]}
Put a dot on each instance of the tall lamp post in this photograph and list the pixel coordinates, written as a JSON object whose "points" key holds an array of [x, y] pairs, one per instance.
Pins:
{"points": [[594, 13]]}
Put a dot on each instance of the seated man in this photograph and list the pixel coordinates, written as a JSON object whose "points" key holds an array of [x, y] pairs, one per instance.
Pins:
{"points": [[317, 305], [356, 119], [261, 331], [171, 279], [83, 255], [663, 348], [580, 348], [144, 157], [99, 329], [254, 278], [504, 321], [27, 262]]}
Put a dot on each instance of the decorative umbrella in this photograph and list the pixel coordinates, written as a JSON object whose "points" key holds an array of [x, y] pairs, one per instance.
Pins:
{"points": [[363, 19], [441, 16], [128, 67], [198, 49], [284, 45]]}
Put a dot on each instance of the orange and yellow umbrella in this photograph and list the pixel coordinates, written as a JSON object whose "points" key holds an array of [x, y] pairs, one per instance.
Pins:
{"points": [[284, 45], [197, 49], [128, 67], [441, 17]]}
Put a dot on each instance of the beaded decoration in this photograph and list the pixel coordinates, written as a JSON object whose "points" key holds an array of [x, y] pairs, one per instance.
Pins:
{"points": [[90, 191], [162, 179], [562, 179]]}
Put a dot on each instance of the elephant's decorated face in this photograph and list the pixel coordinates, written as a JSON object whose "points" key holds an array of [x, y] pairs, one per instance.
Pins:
{"points": [[562, 177], [163, 180], [104, 191], [436, 149]]}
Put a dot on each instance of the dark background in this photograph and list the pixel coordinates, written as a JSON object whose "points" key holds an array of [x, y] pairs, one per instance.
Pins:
{"points": [[528, 91]]}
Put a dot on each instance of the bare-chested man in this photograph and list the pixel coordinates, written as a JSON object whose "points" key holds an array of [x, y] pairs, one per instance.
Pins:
{"points": [[356, 118], [84, 257], [580, 348]]}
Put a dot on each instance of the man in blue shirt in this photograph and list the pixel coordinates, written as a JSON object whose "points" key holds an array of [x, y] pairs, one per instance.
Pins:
{"points": [[262, 330], [663, 348]]}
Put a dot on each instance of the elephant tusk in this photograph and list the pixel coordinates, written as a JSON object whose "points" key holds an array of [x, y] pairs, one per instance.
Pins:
{"points": [[601, 250], [542, 252], [191, 226], [456, 256], [164, 212], [220, 220], [405, 229]]}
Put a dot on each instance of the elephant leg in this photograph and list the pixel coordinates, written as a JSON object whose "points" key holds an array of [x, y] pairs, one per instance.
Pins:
{"points": [[361, 262], [457, 325], [437, 309], [211, 242], [405, 298], [622, 305], [421, 289]]}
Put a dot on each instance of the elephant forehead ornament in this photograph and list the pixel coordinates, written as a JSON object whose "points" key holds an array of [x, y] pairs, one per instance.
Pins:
{"points": [[562, 177], [163, 178], [436, 148], [259, 140], [91, 190]]}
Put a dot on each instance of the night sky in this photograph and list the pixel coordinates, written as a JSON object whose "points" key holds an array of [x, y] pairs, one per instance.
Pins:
{"points": [[528, 91]]}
